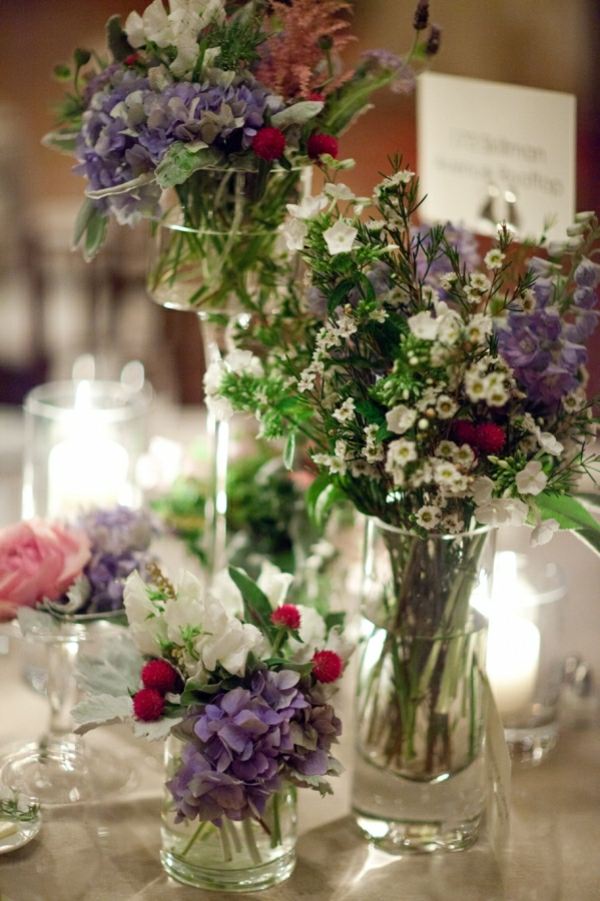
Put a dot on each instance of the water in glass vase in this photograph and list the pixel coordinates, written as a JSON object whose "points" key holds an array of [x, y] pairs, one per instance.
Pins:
{"points": [[237, 856], [419, 770]]}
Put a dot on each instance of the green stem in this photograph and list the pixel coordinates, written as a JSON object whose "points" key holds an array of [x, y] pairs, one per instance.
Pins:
{"points": [[195, 837], [251, 841]]}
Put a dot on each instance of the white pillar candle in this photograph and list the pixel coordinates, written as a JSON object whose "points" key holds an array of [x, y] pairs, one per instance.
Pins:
{"points": [[88, 468], [512, 662]]}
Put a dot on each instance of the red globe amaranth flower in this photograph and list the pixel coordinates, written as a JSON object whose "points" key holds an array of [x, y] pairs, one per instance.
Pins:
{"points": [[319, 144], [490, 437], [132, 59], [327, 666], [286, 617], [148, 704], [269, 144], [160, 675], [464, 432], [315, 95]]}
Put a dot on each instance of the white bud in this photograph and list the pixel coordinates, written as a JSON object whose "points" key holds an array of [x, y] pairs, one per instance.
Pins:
{"points": [[584, 216]]}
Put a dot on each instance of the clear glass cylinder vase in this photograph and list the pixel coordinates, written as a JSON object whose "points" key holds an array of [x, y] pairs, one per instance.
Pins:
{"points": [[419, 777], [236, 856]]}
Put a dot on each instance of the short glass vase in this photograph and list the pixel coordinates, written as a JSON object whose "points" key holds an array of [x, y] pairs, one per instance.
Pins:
{"points": [[419, 775], [238, 856]]}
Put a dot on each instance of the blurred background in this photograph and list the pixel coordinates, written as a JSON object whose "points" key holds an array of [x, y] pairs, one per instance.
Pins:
{"points": [[54, 307]]}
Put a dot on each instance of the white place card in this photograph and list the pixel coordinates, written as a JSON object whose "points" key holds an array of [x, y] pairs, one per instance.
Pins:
{"points": [[492, 152]]}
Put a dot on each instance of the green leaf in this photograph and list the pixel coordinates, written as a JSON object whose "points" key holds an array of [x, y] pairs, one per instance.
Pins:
{"points": [[180, 161], [303, 668], [63, 141], [339, 293], [257, 609], [94, 235], [335, 619], [312, 495], [116, 39], [86, 212], [290, 451], [193, 689], [567, 511], [589, 537], [297, 114]]}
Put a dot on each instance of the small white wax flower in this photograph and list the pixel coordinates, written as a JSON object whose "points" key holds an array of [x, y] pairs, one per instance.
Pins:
{"points": [[428, 516], [401, 452], [447, 281], [446, 406], [399, 419], [219, 407], [494, 258], [294, 233], [531, 479], [423, 325], [345, 412], [340, 237], [480, 282], [402, 177], [244, 362], [309, 208], [479, 327], [544, 532], [274, 583]]}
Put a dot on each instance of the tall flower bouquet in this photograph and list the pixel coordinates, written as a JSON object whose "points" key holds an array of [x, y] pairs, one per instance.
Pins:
{"points": [[216, 106], [444, 394], [241, 680]]}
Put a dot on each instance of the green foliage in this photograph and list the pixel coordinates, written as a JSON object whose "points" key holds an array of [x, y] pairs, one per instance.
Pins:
{"points": [[90, 229], [180, 161], [257, 609], [238, 40], [116, 39], [62, 72]]}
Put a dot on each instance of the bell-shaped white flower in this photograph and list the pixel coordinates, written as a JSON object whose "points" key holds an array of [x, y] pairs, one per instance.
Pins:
{"points": [[274, 583], [146, 623], [340, 237]]}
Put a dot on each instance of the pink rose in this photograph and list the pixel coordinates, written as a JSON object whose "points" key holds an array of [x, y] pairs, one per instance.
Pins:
{"points": [[38, 560]]}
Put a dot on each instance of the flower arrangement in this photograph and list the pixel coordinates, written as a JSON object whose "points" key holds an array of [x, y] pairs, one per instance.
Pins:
{"points": [[74, 569], [210, 97], [239, 675], [438, 390]]}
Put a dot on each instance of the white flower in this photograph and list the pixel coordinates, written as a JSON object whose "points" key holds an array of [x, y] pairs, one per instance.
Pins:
{"points": [[378, 315], [274, 583], [494, 258], [229, 644], [482, 490], [446, 448], [502, 511], [309, 208], [294, 233], [428, 516], [219, 407], [375, 225], [399, 419], [549, 443], [496, 394], [339, 192], [214, 376], [146, 624], [423, 325], [464, 456], [446, 406], [186, 610], [401, 452], [243, 362], [445, 472], [479, 327], [544, 532], [531, 479], [402, 177], [480, 282], [345, 412], [346, 325], [475, 385], [312, 632], [224, 590], [449, 327], [447, 281], [340, 237]]}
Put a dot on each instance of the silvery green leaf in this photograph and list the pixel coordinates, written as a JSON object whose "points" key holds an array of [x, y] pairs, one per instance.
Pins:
{"points": [[116, 673], [124, 188], [297, 114], [36, 622], [156, 731], [63, 141], [101, 710], [77, 594], [316, 782], [179, 162]]}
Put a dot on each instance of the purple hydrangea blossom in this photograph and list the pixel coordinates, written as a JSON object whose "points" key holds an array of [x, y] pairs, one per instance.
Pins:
{"points": [[120, 540], [546, 351], [240, 745]]}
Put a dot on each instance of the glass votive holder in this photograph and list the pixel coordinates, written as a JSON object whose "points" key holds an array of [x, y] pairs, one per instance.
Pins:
{"points": [[524, 655], [82, 443]]}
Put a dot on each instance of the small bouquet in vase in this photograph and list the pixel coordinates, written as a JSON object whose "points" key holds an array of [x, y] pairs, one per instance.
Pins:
{"points": [[240, 681], [216, 107]]}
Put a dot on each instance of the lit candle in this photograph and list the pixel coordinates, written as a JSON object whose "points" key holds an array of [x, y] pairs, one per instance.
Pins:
{"points": [[88, 468], [513, 652]]}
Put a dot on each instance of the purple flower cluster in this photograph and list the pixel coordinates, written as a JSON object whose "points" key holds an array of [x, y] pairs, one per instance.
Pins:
{"points": [[128, 127], [377, 60], [545, 351], [243, 742], [120, 539]]}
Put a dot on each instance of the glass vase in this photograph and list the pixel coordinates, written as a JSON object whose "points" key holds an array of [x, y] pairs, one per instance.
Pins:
{"points": [[243, 856], [217, 252], [419, 780], [59, 767]]}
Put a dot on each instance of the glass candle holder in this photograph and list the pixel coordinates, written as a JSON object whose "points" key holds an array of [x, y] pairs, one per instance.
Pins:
{"points": [[524, 659], [82, 442]]}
